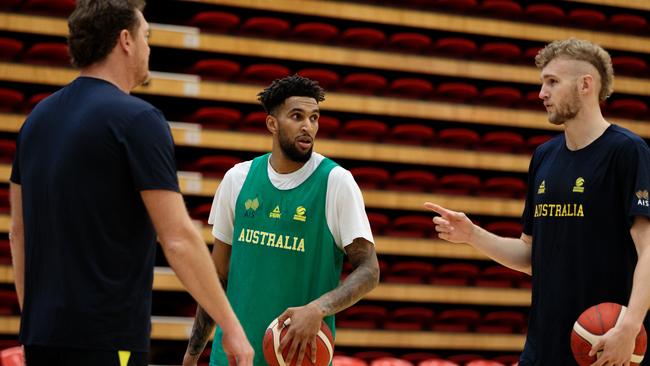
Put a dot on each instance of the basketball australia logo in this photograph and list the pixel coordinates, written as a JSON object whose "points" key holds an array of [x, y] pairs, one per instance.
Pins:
{"points": [[251, 206], [643, 198]]}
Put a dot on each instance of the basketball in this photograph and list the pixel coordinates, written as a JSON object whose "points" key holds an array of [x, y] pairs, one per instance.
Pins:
{"points": [[273, 337], [593, 323]]}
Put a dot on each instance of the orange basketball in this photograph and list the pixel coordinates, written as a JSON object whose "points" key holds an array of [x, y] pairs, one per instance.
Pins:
{"points": [[273, 337], [593, 323]]}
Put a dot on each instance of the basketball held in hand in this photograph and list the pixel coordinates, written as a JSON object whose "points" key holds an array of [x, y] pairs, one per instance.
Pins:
{"points": [[592, 324], [275, 357]]}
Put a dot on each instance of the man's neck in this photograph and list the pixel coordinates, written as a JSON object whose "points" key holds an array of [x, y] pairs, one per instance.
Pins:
{"points": [[584, 129]]}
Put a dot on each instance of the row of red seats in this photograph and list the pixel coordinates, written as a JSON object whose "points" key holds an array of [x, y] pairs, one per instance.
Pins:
{"points": [[416, 318], [448, 274], [40, 53], [48, 7], [384, 358]]}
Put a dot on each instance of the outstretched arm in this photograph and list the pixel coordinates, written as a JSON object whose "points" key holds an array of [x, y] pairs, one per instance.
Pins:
{"points": [[455, 227]]}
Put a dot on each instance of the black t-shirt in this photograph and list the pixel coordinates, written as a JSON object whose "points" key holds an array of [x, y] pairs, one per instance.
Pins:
{"points": [[579, 211], [83, 156]]}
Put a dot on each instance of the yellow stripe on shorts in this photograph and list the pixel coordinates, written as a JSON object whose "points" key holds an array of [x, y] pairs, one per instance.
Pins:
{"points": [[124, 357]]}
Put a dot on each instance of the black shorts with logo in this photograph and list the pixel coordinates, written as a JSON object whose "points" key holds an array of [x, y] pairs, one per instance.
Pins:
{"points": [[56, 356]]}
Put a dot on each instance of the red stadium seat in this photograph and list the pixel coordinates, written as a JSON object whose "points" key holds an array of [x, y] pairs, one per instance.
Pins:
{"points": [[417, 357], [9, 99], [409, 42], [590, 18], [390, 361], [34, 100], [534, 141], [216, 117], [455, 274], [456, 320], [456, 5], [362, 37], [263, 73], [4, 201], [216, 69], [362, 317], [369, 356], [410, 87], [455, 47], [7, 150], [501, 8], [9, 48], [201, 212], [265, 27], [509, 229], [628, 108], [629, 65], [364, 83], [499, 276], [9, 4], [532, 101], [13, 356], [5, 252], [410, 272], [363, 130], [328, 126], [370, 177], [505, 187], [501, 141], [500, 51], [458, 184], [457, 92], [348, 361], [411, 226], [437, 362], [328, 79], [412, 180], [50, 7], [507, 359], [215, 21], [628, 22], [410, 134], [484, 363], [215, 165], [529, 54], [254, 122], [378, 222], [545, 13], [502, 96], [9, 302], [464, 358], [409, 318], [48, 53], [461, 138], [314, 32]]}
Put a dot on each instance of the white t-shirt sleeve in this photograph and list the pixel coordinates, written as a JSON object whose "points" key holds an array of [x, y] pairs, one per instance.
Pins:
{"points": [[222, 214], [345, 210]]}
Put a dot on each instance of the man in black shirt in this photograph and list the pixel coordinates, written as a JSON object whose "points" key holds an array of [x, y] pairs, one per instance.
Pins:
{"points": [[93, 182], [586, 236]]}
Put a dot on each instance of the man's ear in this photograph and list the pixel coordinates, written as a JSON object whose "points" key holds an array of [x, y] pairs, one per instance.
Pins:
{"points": [[125, 41], [586, 84], [271, 124]]}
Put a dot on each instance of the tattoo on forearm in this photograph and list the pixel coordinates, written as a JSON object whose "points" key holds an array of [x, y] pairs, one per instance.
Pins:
{"points": [[363, 278], [201, 330]]}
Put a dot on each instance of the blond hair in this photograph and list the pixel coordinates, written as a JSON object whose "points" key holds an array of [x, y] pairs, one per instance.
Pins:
{"points": [[581, 50]]}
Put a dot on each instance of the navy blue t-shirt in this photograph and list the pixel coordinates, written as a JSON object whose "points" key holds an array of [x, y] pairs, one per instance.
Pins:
{"points": [[579, 211], [83, 156]]}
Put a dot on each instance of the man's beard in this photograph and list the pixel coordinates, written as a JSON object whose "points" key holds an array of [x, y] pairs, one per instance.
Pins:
{"points": [[566, 111], [291, 151]]}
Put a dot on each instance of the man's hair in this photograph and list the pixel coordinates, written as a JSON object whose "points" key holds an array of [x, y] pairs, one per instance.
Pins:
{"points": [[95, 25], [290, 86], [581, 50]]}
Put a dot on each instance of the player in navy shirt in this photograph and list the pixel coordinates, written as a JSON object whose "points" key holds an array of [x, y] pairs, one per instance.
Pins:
{"points": [[93, 182], [586, 226]]}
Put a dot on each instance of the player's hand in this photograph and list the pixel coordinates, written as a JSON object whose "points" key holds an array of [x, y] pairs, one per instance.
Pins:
{"points": [[451, 225], [237, 348], [303, 326], [617, 346]]}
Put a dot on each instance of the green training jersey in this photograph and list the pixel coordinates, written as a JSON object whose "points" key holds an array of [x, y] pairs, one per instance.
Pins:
{"points": [[283, 253]]}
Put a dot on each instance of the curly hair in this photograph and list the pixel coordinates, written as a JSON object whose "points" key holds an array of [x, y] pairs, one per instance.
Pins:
{"points": [[290, 86], [581, 50], [95, 25]]}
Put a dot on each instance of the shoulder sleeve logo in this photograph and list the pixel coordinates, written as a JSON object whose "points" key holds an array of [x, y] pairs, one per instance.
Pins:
{"points": [[642, 197]]}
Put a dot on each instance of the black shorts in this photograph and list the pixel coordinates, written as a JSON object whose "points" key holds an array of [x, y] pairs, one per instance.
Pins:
{"points": [[55, 356]]}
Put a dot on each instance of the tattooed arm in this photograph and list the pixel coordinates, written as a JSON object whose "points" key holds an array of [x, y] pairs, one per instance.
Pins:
{"points": [[203, 326], [305, 320]]}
